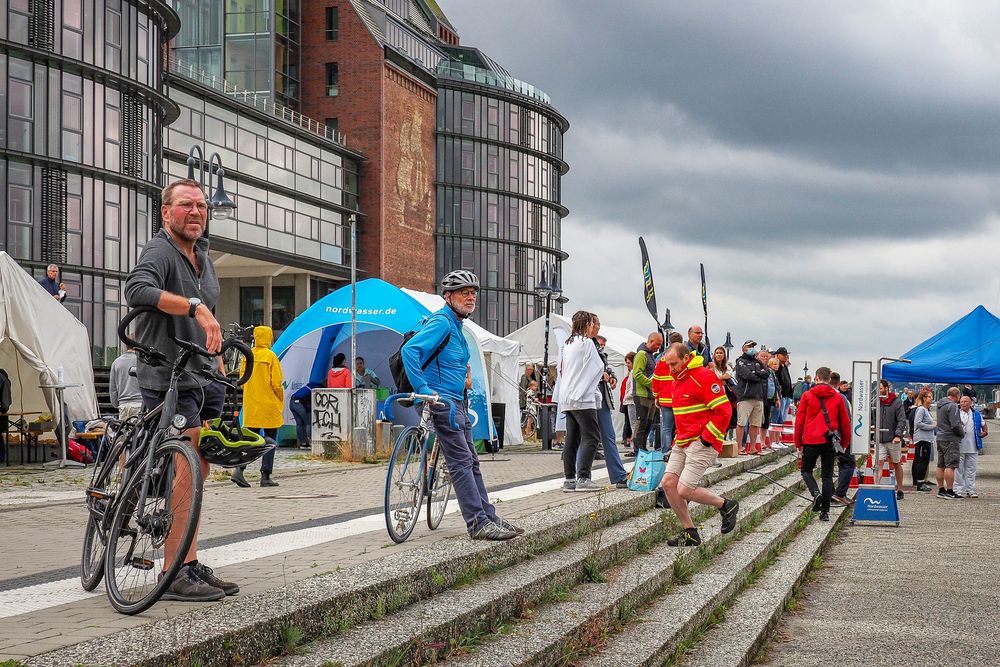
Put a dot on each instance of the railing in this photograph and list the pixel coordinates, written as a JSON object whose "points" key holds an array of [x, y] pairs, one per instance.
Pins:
{"points": [[456, 70], [258, 101]]}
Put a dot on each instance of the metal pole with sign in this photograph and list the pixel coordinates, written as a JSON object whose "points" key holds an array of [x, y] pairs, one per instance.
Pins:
{"points": [[861, 401]]}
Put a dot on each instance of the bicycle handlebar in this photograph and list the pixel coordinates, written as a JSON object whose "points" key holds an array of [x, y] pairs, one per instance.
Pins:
{"points": [[427, 398], [184, 344]]}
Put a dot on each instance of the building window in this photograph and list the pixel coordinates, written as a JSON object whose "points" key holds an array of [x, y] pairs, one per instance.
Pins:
{"points": [[41, 24], [332, 23], [332, 80], [333, 124], [131, 136]]}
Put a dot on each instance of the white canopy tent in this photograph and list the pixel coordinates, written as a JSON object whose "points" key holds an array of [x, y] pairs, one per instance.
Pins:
{"points": [[532, 339], [37, 337], [501, 363]]}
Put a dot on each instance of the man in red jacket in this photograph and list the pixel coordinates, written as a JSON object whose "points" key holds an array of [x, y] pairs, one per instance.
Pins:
{"points": [[814, 432], [701, 416]]}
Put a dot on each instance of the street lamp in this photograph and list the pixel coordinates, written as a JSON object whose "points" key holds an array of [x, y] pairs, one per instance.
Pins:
{"points": [[805, 370], [219, 205], [549, 290], [728, 344]]}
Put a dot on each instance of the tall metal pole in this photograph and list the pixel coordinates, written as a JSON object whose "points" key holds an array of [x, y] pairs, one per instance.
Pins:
{"points": [[354, 296], [546, 434]]}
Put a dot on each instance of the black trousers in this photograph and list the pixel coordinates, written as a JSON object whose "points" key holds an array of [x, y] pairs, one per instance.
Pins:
{"points": [[827, 455], [921, 460], [583, 432], [626, 427], [647, 411]]}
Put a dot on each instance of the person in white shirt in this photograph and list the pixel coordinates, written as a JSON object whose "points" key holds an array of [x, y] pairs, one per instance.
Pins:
{"points": [[968, 450], [580, 371]]}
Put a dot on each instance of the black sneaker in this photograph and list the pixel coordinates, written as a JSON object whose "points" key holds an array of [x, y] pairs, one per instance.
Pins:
{"points": [[189, 587], [952, 495], [206, 574], [899, 495], [817, 503], [689, 538], [622, 484], [507, 525], [824, 516], [943, 494], [728, 512]]}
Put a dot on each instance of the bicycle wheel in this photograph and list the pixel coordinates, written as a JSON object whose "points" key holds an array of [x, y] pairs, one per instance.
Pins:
{"points": [[140, 536], [101, 495], [404, 484], [527, 425], [440, 490]]}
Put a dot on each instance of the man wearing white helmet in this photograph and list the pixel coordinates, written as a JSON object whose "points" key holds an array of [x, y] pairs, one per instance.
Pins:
{"points": [[450, 376]]}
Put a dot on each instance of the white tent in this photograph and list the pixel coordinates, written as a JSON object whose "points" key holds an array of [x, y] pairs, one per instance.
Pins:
{"points": [[532, 339], [502, 364], [37, 337]]}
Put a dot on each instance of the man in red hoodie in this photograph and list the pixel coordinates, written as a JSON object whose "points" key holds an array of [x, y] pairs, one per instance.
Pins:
{"points": [[813, 434], [701, 416]]}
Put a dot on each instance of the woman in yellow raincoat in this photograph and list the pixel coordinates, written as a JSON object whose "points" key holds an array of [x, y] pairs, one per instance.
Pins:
{"points": [[263, 401]]}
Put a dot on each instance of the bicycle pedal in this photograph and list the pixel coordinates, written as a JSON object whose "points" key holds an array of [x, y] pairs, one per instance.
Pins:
{"points": [[142, 563], [98, 494]]}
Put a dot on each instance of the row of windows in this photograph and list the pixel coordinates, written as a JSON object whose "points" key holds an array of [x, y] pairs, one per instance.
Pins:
{"points": [[60, 115], [413, 46], [111, 34], [500, 268], [487, 117], [468, 162], [105, 224], [490, 215]]}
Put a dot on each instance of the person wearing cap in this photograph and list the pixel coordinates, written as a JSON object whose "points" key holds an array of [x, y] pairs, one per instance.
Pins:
{"points": [[751, 388], [785, 380]]}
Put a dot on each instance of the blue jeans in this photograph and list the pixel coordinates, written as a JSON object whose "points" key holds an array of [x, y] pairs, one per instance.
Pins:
{"points": [[666, 428], [463, 465], [616, 470], [302, 421], [786, 404]]}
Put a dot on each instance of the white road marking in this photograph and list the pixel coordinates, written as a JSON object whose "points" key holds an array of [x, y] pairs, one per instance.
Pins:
{"points": [[43, 596]]}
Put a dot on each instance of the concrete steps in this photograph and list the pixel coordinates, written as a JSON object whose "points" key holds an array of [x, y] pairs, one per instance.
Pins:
{"points": [[429, 589], [427, 631]]}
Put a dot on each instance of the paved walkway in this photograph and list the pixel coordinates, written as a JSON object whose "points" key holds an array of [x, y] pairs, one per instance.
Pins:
{"points": [[925, 593], [261, 538]]}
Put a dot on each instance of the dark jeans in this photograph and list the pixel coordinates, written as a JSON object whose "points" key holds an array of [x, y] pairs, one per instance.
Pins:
{"points": [[921, 460], [646, 410], [847, 467], [626, 427], [616, 470], [267, 462], [825, 452], [303, 421], [582, 433], [463, 465]]}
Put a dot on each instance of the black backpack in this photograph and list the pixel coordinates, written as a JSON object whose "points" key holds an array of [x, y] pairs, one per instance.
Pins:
{"points": [[398, 370]]}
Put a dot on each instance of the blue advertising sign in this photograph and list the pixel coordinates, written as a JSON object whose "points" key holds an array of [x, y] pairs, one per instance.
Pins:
{"points": [[876, 504]]}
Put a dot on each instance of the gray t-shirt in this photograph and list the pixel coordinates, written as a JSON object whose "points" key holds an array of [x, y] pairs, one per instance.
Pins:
{"points": [[163, 267]]}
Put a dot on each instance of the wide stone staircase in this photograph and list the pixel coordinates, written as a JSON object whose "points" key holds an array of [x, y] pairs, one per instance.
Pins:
{"points": [[591, 582]]}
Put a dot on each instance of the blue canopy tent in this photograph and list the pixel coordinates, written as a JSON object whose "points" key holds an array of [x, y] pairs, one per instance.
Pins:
{"points": [[385, 313], [966, 352]]}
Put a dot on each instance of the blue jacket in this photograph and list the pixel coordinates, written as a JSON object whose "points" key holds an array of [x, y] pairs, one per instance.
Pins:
{"points": [[445, 375], [977, 423]]}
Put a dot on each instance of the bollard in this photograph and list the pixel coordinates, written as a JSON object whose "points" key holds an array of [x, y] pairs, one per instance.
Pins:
{"points": [[359, 442], [397, 430]]}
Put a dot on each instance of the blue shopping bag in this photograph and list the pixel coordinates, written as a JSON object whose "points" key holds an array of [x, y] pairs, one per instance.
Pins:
{"points": [[647, 471]]}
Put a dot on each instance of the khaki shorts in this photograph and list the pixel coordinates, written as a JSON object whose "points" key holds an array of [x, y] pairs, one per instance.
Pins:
{"points": [[890, 450], [690, 463], [948, 454], [752, 411]]}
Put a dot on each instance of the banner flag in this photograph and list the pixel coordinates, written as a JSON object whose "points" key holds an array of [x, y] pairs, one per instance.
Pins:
{"points": [[704, 305], [649, 292]]}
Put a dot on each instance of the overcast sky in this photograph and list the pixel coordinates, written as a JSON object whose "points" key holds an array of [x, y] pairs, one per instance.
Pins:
{"points": [[832, 164]]}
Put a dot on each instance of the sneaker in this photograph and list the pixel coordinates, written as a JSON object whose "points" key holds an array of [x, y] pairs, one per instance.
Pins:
{"points": [[954, 495], [205, 573], [598, 457], [689, 538], [728, 513], [943, 494], [584, 484], [507, 525], [491, 531], [842, 500], [824, 516], [899, 495], [622, 484], [924, 488], [972, 494], [189, 587], [569, 485], [817, 503]]}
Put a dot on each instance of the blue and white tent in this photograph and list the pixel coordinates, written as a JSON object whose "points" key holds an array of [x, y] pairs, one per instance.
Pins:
{"points": [[384, 314]]}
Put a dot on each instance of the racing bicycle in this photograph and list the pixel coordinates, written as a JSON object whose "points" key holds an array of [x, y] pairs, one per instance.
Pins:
{"points": [[417, 471]]}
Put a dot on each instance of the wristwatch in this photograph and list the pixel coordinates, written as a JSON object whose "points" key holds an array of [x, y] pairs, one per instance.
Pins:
{"points": [[193, 304]]}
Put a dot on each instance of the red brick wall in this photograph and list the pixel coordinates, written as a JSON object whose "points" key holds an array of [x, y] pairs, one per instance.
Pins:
{"points": [[389, 118]]}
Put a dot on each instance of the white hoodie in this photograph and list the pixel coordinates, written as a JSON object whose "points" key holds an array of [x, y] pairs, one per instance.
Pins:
{"points": [[580, 369]]}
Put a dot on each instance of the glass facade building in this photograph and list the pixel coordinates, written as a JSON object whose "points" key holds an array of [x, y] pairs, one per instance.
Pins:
{"points": [[82, 108], [499, 166], [254, 45]]}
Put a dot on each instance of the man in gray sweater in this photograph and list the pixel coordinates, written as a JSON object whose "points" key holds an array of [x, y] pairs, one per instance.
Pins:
{"points": [[123, 387], [949, 437]]}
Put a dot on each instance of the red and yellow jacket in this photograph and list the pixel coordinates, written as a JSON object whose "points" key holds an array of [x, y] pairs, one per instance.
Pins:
{"points": [[701, 409], [663, 384]]}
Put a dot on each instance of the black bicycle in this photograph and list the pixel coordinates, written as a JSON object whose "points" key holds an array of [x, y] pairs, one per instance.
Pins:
{"points": [[145, 499]]}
